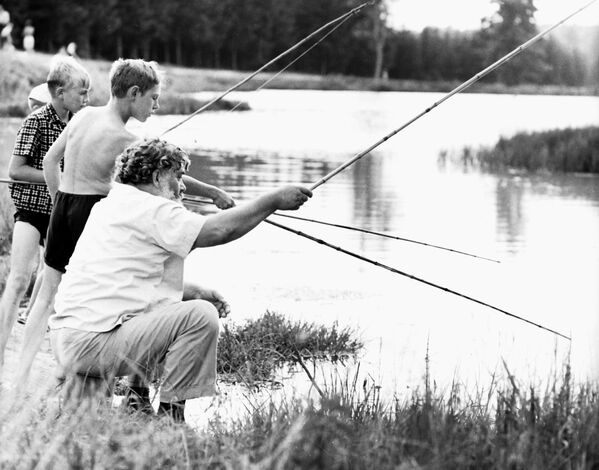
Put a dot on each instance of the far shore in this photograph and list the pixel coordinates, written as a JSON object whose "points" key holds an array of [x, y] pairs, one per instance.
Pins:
{"points": [[20, 71]]}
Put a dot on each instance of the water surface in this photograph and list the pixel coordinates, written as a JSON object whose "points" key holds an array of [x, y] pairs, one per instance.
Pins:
{"points": [[543, 228]]}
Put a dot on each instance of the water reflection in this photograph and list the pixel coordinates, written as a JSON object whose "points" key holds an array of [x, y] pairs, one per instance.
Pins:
{"points": [[510, 219], [260, 170]]}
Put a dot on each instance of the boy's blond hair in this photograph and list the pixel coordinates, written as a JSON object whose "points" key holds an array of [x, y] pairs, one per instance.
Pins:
{"points": [[64, 72], [126, 73]]}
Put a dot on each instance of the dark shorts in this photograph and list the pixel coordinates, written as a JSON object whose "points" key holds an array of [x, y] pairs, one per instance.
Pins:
{"points": [[67, 221], [38, 220]]}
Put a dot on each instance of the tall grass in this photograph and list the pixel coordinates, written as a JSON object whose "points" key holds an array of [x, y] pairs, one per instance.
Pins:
{"points": [[561, 150], [510, 426], [254, 350], [6, 227]]}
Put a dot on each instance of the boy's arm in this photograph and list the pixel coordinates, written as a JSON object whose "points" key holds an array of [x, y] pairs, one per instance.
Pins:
{"points": [[218, 196], [52, 163], [27, 142]]}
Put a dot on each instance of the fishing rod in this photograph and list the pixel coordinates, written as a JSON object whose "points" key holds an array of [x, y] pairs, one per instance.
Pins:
{"points": [[10, 181], [194, 200], [455, 91], [343, 17], [385, 235], [415, 278]]}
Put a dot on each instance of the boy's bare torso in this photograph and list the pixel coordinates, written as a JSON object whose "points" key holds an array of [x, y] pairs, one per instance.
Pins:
{"points": [[96, 136]]}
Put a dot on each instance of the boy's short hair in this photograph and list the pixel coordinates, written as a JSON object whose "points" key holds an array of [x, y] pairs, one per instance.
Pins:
{"points": [[126, 73], [64, 72], [138, 162]]}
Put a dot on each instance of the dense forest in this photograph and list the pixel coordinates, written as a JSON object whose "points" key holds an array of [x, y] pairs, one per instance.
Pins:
{"points": [[244, 34]]}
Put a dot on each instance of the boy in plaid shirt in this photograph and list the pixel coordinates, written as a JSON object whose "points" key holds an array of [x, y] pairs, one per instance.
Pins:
{"points": [[68, 84]]}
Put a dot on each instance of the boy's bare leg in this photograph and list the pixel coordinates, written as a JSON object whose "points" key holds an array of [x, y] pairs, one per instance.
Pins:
{"points": [[24, 250], [37, 323], [38, 282]]}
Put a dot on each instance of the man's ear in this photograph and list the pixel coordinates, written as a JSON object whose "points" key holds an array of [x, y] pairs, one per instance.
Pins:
{"points": [[133, 92], [59, 92], [156, 178]]}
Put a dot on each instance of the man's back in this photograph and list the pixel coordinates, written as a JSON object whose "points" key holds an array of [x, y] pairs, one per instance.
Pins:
{"points": [[94, 139]]}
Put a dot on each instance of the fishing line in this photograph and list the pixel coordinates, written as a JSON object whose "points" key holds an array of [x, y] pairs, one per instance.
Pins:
{"points": [[268, 64], [455, 91]]}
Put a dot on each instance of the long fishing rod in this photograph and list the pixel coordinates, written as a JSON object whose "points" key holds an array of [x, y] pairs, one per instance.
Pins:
{"points": [[385, 235], [194, 200], [415, 278], [268, 64], [455, 91]]}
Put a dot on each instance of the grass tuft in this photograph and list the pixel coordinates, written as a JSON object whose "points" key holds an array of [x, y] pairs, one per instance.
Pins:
{"points": [[254, 350]]}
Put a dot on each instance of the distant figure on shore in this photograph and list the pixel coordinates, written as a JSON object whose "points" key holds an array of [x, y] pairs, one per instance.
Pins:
{"points": [[28, 39], [4, 22], [6, 38], [38, 97], [72, 50]]}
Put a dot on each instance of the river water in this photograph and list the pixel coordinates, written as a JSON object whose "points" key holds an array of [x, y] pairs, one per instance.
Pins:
{"points": [[543, 228]]}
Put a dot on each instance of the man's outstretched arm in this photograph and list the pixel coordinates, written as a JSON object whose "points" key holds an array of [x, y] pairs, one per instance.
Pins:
{"points": [[231, 224]]}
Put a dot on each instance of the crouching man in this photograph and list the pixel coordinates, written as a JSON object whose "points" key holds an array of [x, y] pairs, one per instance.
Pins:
{"points": [[122, 307]]}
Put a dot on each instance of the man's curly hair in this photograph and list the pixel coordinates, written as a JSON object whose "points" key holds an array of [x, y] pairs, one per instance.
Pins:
{"points": [[138, 161]]}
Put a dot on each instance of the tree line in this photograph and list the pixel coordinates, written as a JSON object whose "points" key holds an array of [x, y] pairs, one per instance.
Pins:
{"points": [[244, 34]]}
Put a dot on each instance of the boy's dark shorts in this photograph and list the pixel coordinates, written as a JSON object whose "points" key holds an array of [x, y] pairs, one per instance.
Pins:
{"points": [[38, 220], [69, 215]]}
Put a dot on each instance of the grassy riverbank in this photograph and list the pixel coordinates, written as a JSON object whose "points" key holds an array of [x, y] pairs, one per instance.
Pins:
{"points": [[510, 426], [20, 71], [560, 150]]}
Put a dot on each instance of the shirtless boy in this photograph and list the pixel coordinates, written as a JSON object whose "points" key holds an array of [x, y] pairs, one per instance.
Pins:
{"points": [[90, 144]]}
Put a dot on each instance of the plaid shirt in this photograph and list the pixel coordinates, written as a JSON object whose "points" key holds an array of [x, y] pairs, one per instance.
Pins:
{"points": [[37, 133]]}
